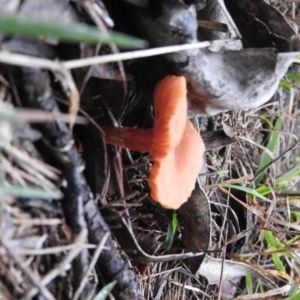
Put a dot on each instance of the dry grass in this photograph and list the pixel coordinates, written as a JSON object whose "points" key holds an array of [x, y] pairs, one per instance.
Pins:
{"points": [[37, 246]]}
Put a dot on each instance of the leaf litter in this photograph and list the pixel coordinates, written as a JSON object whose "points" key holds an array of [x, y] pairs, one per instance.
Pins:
{"points": [[240, 158]]}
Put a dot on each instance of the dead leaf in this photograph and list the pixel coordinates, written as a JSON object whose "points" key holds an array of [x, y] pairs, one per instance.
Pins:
{"points": [[230, 80], [269, 27], [217, 81], [212, 268]]}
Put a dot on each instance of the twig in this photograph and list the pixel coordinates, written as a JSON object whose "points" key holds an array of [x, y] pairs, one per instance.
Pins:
{"points": [[230, 181], [79, 63], [37, 222], [31, 162], [62, 267], [269, 294], [33, 62], [54, 250]]}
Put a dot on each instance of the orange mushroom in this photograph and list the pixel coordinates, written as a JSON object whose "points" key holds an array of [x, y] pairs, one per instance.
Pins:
{"points": [[176, 147]]}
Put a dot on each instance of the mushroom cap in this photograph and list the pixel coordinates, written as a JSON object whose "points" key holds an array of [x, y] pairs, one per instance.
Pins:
{"points": [[170, 109], [172, 179], [177, 148]]}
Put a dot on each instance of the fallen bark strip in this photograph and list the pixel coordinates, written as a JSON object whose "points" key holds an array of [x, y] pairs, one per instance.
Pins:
{"points": [[79, 205]]}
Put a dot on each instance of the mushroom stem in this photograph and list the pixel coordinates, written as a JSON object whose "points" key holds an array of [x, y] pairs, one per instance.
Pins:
{"points": [[136, 139]]}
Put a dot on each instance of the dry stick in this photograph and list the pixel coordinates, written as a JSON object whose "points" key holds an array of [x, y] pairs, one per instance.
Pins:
{"points": [[37, 222], [7, 167], [230, 181], [38, 285], [79, 63], [34, 116], [223, 260], [38, 179], [67, 82], [62, 267], [54, 250], [190, 288], [31, 162], [33, 62], [96, 255], [271, 293], [27, 177], [29, 61]]}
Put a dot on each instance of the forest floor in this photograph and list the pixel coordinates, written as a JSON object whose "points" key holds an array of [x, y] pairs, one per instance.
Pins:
{"points": [[259, 236]]}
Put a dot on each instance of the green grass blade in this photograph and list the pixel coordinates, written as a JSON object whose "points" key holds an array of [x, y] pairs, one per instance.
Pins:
{"points": [[16, 25], [273, 246], [294, 77], [171, 232], [271, 240], [288, 86], [294, 297], [278, 263], [288, 176], [249, 284], [264, 190], [246, 190], [105, 291], [265, 118], [266, 159], [261, 288], [28, 192]]}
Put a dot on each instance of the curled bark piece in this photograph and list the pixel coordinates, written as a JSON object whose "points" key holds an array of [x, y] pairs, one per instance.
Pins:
{"points": [[196, 217], [79, 206]]}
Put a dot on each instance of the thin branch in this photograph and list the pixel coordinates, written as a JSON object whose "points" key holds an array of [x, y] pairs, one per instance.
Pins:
{"points": [[33, 62]]}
